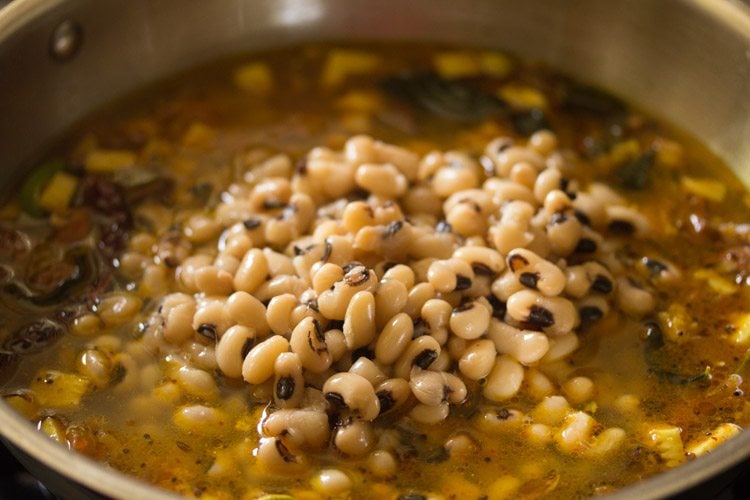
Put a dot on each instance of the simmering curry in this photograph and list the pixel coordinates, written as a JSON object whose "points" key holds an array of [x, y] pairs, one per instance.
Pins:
{"points": [[378, 271]]}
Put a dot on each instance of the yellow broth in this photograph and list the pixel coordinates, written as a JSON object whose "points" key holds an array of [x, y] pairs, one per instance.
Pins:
{"points": [[202, 131]]}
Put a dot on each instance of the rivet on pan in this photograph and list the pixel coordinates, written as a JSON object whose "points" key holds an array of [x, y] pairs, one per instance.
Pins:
{"points": [[65, 41]]}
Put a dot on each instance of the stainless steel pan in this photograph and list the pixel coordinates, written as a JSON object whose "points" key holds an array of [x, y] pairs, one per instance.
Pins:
{"points": [[687, 61]]}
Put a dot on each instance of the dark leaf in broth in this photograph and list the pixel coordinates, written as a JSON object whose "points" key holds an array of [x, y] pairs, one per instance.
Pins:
{"points": [[451, 99], [634, 174]]}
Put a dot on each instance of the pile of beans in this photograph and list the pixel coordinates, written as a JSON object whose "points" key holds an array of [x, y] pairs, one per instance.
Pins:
{"points": [[369, 284]]}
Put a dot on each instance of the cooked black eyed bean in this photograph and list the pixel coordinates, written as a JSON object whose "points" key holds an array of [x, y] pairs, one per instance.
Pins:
{"points": [[564, 234], [309, 342], [633, 299], [289, 384], [591, 309], [436, 314], [359, 320], [450, 275], [626, 221], [279, 312], [660, 271], [536, 273], [232, 349], [470, 320], [277, 458], [421, 352], [505, 379], [505, 286], [392, 394], [352, 392], [394, 338], [259, 362], [252, 272], [354, 438], [303, 428], [432, 388], [483, 261], [553, 315], [526, 346], [390, 300], [477, 360], [600, 277], [426, 414], [368, 369], [513, 229], [589, 276], [333, 302]]}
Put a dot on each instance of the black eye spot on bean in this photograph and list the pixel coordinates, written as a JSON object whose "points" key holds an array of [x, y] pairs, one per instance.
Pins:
{"points": [[462, 283], [285, 388], [465, 305], [411, 496], [589, 315], [425, 358], [586, 245], [621, 227], [516, 262], [284, 452], [327, 248], [582, 218], [272, 204], [498, 307], [357, 276], [602, 284], [482, 269], [386, 400], [558, 218], [336, 400], [443, 227], [541, 317], [529, 280], [251, 223], [654, 267], [393, 228], [312, 304], [349, 266], [207, 330]]}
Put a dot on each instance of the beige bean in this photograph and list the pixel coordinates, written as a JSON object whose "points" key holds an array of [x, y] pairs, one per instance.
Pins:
{"points": [[417, 297], [197, 383], [253, 271], [333, 303], [366, 368], [421, 352], [279, 286], [392, 394], [505, 379], [359, 320], [336, 343], [211, 318], [477, 360], [232, 349], [277, 458], [382, 464], [470, 320], [331, 482], [308, 341], [536, 273], [390, 300], [402, 273], [201, 420], [178, 325], [437, 314], [381, 179], [243, 308], [352, 392], [526, 346], [560, 347], [554, 315], [258, 365], [302, 428], [279, 312], [426, 414], [449, 275], [394, 338], [355, 439], [633, 299], [212, 280]]}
